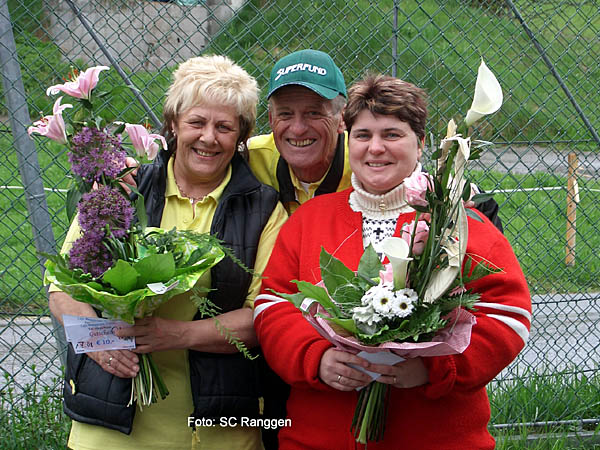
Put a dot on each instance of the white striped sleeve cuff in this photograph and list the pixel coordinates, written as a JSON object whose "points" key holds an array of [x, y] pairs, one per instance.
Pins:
{"points": [[514, 324], [268, 301]]}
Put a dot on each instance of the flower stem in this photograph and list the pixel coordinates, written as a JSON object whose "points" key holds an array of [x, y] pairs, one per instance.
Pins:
{"points": [[148, 384], [370, 414]]}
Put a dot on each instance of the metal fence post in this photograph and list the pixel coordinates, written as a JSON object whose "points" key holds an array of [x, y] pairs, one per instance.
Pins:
{"points": [[114, 63], [29, 167], [395, 41]]}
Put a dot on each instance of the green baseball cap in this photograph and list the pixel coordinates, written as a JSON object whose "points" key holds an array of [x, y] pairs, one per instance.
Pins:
{"points": [[309, 68]]}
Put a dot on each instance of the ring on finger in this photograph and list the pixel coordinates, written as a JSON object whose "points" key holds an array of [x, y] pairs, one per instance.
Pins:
{"points": [[109, 361], [339, 379]]}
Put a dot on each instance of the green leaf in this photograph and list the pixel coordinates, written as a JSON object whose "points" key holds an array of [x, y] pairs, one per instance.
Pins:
{"points": [[86, 103], [482, 197], [73, 196], [155, 269], [122, 277], [346, 324], [140, 209], [320, 295], [473, 215], [421, 209], [369, 265], [349, 295], [333, 272], [120, 129], [188, 267], [118, 89], [296, 299], [466, 193], [99, 122], [95, 285], [480, 270], [101, 94]]}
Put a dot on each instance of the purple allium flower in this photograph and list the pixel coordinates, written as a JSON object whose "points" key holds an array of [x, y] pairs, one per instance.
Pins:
{"points": [[90, 255], [105, 206], [95, 153]]}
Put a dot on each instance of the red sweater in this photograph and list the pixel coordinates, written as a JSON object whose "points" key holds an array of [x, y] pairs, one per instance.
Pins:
{"points": [[451, 411]]}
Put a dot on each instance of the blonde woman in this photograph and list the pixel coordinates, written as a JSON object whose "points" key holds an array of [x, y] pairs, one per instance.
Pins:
{"points": [[200, 183]]}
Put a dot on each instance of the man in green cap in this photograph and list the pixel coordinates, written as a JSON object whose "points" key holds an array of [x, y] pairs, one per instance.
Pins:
{"points": [[306, 154]]}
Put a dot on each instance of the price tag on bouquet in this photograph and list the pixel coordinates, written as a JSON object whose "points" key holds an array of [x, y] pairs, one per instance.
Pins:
{"points": [[93, 334]]}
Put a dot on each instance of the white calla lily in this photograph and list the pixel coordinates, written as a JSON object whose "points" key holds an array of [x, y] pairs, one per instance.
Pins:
{"points": [[396, 249], [455, 245], [488, 95]]}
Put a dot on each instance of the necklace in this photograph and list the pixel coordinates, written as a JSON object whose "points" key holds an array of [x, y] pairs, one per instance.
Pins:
{"points": [[185, 194]]}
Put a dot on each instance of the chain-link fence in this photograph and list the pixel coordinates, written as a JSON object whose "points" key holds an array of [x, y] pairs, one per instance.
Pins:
{"points": [[544, 165]]}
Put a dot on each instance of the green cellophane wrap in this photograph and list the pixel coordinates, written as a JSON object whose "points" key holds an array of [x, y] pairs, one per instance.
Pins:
{"points": [[141, 301]]}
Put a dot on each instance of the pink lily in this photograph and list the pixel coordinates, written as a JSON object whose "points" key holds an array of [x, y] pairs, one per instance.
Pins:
{"points": [[53, 127], [80, 87], [143, 142]]}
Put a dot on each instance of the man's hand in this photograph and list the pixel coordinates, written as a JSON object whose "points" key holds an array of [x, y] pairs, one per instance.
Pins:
{"points": [[128, 179]]}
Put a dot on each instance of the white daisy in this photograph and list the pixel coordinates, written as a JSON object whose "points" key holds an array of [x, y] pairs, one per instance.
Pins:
{"points": [[379, 297], [403, 303]]}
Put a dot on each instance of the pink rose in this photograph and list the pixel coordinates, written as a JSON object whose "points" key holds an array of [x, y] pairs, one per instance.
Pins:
{"points": [[421, 235], [415, 188]]}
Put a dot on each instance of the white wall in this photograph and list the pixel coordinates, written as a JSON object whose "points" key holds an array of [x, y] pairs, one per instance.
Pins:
{"points": [[140, 34]]}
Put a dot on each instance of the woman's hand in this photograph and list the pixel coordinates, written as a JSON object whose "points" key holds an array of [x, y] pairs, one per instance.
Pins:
{"points": [[335, 372], [154, 334], [121, 363], [406, 374]]}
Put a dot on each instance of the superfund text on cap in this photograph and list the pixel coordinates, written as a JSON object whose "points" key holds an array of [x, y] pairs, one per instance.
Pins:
{"points": [[310, 68]]}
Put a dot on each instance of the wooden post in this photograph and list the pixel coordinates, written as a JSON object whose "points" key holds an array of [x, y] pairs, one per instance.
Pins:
{"points": [[572, 200]]}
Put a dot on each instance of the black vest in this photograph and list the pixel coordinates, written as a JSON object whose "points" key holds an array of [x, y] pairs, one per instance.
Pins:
{"points": [[223, 385]]}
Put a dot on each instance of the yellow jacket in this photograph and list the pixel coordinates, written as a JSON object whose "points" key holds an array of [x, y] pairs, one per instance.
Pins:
{"points": [[264, 160]]}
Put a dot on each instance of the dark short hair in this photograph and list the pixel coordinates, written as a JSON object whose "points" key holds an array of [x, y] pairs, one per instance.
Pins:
{"points": [[385, 95]]}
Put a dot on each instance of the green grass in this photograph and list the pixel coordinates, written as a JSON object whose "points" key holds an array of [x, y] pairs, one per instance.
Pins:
{"points": [[568, 397], [21, 288], [535, 224], [32, 419], [440, 45]]}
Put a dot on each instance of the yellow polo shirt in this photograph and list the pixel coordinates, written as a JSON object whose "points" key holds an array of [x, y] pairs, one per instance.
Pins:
{"points": [[263, 159], [164, 425]]}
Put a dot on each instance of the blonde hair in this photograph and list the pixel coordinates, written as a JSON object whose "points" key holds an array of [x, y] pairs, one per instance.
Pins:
{"points": [[215, 80]]}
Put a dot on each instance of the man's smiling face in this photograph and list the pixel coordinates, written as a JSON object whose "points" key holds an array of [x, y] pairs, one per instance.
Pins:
{"points": [[305, 129]]}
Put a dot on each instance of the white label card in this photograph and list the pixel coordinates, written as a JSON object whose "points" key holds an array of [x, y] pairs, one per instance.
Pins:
{"points": [[387, 358], [93, 334]]}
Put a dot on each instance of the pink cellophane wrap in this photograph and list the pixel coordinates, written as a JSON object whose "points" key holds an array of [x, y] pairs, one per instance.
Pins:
{"points": [[452, 339]]}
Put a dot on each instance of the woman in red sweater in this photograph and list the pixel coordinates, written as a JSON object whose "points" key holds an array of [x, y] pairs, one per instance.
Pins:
{"points": [[436, 402]]}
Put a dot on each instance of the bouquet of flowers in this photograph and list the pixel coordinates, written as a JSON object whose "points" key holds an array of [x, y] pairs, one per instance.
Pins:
{"points": [[416, 304], [118, 265]]}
